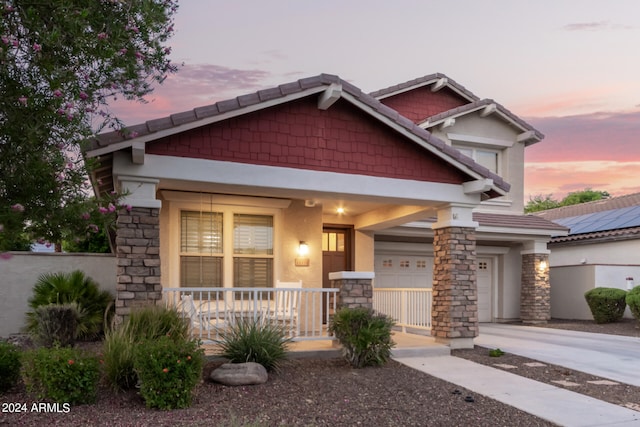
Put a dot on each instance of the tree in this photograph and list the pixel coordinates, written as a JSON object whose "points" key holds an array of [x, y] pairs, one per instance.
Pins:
{"points": [[61, 63], [541, 203]]}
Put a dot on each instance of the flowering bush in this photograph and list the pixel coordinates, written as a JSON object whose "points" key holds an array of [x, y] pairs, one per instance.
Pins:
{"points": [[168, 369], [64, 375], [61, 64]]}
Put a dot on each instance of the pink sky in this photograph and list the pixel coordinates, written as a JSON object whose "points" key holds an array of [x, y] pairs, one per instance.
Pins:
{"points": [[570, 72]]}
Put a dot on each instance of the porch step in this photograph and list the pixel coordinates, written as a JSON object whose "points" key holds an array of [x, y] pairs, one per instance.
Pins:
{"points": [[415, 345]]}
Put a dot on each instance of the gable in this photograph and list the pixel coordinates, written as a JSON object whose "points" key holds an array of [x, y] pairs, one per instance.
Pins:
{"points": [[297, 134], [421, 103]]}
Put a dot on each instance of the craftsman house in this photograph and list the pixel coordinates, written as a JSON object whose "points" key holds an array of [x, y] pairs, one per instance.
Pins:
{"points": [[419, 185]]}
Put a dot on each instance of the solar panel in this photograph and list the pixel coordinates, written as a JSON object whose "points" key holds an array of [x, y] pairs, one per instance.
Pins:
{"points": [[602, 221]]}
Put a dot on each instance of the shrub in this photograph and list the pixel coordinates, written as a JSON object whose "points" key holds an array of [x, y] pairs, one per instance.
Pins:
{"points": [[64, 288], [364, 334], [62, 374], [9, 366], [146, 323], [606, 304], [254, 340], [633, 300], [169, 369], [56, 324]]}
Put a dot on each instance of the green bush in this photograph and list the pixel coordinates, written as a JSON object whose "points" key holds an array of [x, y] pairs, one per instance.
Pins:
{"points": [[56, 324], [9, 366], [633, 301], [169, 369], [64, 288], [606, 304], [147, 323], [254, 340], [62, 374], [364, 334]]}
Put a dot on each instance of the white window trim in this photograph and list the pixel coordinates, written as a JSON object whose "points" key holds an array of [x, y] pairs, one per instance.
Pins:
{"points": [[193, 202]]}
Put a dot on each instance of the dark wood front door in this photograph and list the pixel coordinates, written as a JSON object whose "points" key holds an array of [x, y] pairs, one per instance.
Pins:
{"points": [[337, 254]]}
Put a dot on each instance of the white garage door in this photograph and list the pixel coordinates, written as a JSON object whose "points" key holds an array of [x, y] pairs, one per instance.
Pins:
{"points": [[416, 271]]}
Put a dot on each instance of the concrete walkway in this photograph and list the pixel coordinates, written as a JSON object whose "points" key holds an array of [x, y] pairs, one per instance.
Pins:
{"points": [[597, 354], [610, 356]]}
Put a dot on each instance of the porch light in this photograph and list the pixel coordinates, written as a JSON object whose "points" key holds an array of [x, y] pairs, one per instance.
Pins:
{"points": [[302, 260], [543, 266], [303, 249], [340, 210]]}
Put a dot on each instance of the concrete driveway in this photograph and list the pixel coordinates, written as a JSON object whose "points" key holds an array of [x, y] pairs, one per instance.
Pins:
{"points": [[608, 356]]}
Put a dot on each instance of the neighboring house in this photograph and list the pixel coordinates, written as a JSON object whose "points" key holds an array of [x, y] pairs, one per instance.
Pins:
{"points": [[421, 183], [602, 249]]}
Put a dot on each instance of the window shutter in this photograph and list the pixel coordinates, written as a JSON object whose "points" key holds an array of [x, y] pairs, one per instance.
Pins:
{"points": [[201, 232], [252, 234]]}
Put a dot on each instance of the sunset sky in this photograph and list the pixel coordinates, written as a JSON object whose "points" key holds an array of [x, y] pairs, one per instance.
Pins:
{"points": [[569, 68]]}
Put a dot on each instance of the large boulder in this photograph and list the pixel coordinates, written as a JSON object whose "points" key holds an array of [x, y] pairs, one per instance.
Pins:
{"points": [[240, 374]]}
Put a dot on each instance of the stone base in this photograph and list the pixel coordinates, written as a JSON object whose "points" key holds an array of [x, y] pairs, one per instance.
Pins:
{"points": [[456, 343], [534, 322]]}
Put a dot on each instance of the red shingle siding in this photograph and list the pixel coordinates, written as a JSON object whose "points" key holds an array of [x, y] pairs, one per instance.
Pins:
{"points": [[421, 103], [299, 135]]}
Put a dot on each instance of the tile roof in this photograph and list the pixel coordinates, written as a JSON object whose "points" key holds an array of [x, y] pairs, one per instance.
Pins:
{"points": [[107, 143], [479, 105], [591, 207], [423, 81], [589, 216], [517, 221]]}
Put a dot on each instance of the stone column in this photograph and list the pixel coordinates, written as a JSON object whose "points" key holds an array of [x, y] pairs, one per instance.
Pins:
{"points": [[455, 294], [535, 290], [137, 247], [356, 288]]}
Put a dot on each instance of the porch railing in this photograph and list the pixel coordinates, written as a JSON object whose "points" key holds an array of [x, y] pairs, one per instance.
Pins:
{"points": [[409, 307], [302, 312]]}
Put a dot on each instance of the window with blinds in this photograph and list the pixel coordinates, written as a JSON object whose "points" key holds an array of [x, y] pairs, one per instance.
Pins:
{"points": [[201, 249], [252, 250]]}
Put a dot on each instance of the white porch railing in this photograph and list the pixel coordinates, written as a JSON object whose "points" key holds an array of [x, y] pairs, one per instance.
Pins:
{"points": [[409, 307], [303, 312]]}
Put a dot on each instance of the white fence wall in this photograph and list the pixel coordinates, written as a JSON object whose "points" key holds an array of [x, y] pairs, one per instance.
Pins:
{"points": [[19, 273]]}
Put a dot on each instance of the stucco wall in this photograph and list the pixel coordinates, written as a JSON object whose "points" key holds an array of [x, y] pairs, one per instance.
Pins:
{"points": [[613, 253], [21, 271], [569, 283]]}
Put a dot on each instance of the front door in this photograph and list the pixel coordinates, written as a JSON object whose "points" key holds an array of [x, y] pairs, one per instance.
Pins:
{"points": [[336, 255]]}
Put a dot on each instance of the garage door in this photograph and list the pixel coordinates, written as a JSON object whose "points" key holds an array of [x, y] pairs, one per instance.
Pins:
{"points": [[416, 271]]}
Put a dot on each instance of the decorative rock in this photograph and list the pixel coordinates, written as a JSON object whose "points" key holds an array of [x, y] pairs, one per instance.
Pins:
{"points": [[240, 374]]}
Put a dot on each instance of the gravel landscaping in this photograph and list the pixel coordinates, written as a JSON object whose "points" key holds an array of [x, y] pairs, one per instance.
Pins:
{"points": [[315, 392]]}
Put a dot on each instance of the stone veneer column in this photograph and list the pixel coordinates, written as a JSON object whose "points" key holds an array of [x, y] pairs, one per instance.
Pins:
{"points": [[137, 246], [356, 288], [455, 295], [535, 290], [138, 259]]}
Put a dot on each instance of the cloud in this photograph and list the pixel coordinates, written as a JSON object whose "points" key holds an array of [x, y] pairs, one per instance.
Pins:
{"points": [[194, 85], [595, 26], [561, 178], [587, 26], [598, 136]]}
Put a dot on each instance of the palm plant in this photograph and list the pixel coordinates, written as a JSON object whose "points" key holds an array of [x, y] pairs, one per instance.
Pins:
{"points": [[65, 288]]}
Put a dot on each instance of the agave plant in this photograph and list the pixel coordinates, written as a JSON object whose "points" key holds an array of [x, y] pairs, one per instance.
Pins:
{"points": [[74, 287]]}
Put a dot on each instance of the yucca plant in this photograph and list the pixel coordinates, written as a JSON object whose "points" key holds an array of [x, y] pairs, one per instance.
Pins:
{"points": [[65, 288], [254, 340]]}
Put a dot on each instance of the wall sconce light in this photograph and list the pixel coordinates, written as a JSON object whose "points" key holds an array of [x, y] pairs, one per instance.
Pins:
{"points": [[542, 266], [303, 255], [303, 249]]}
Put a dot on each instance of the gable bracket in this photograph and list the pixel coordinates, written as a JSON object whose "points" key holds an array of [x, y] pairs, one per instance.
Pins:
{"points": [[448, 123], [137, 152], [489, 109], [439, 84], [329, 96], [525, 136], [477, 186]]}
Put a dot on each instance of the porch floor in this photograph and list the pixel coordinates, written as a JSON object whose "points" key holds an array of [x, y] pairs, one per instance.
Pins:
{"points": [[407, 345]]}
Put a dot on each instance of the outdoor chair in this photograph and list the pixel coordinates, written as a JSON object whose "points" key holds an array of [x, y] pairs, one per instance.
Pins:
{"points": [[285, 308], [201, 319]]}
